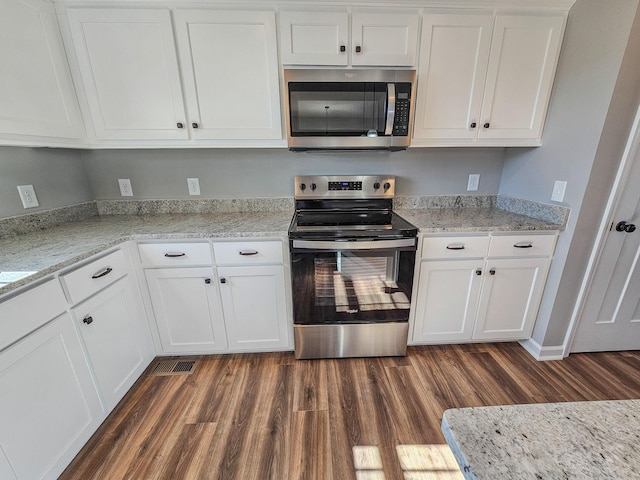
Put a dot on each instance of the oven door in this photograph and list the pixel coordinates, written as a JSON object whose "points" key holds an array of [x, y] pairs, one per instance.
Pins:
{"points": [[337, 282]]}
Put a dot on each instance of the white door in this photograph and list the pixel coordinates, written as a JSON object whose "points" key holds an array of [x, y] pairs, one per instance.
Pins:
{"points": [[447, 300], [384, 39], [36, 91], [610, 312], [451, 76], [230, 65], [524, 54], [129, 70], [49, 406], [510, 298], [314, 38], [119, 345], [187, 308], [255, 308]]}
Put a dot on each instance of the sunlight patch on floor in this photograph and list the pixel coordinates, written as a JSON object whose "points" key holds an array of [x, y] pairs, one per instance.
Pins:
{"points": [[418, 462]]}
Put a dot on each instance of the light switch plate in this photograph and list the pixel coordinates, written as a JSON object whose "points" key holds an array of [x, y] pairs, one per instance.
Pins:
{"points": [[559, 187], [474, 182], [125, 187], [28, 196], [194, 186]]}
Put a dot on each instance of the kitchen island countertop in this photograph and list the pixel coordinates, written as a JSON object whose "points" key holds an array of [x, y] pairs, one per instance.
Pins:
{"points": [[46, 251], [574, 440]]}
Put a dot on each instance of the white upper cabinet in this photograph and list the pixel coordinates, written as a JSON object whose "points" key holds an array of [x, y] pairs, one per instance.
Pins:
{"points": [[129, 70], [230, 67], [38, 100], [377, 38], [485, 79]]}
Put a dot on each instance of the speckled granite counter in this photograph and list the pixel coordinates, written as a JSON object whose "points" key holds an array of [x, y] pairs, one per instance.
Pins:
{"points": [[577, 440], [49, 250], [44, 251]]}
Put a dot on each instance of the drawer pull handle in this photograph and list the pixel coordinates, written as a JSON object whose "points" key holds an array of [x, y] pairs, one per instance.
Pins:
{"points": [[87, 320], [523, 245], [104, 272], [175, 254], [455, 246], [246, 253]]}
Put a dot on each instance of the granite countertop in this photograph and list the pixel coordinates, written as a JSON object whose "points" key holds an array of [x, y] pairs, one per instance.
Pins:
{"points": [[575, 440], [30, 256]]}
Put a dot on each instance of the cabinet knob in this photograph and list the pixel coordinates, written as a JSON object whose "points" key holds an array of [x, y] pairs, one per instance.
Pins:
{"points": [[358, 49], [87, 320], [479, 271], [207, 281], [473, 125], [486, 125], [195, 125], [492, 271], [223, 280], [180, 125], [343, 48]]}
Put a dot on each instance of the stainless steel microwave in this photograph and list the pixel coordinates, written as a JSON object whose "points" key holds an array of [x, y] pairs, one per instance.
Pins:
{"points": [[349, 109]]}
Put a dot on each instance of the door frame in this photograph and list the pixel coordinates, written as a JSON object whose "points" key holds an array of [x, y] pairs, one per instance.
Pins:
{"points": [[631, 150]]}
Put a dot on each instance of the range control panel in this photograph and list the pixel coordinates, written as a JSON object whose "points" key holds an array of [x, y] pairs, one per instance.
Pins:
{"points": [[348, 186]]}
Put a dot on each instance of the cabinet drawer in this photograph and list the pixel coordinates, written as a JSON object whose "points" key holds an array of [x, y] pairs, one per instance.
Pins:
{"points": [[93, 277], [531, 245], [455, 247], [245, 253], [26, 312], [175, 254]]}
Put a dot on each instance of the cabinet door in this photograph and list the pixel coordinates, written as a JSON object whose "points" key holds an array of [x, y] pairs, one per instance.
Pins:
{"points": [[187, 308], [524, 54], [255, 308], [36, 91], [230, 65], [453, 65], [510, 298], [384, 39], [447, 300], [314, 38], [49, 406], [129, 70], [113, 328]]}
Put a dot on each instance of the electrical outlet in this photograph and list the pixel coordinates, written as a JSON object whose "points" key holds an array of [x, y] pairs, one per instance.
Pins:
{"points": [[559, 187], [474, 182], [125, 187], [28, 196], [194, 186]]}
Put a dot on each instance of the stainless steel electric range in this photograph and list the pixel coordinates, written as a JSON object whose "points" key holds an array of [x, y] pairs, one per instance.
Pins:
{"points": [[352, 264]]}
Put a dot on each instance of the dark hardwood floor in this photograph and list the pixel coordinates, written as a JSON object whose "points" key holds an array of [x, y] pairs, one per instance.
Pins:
{"points": [[269, 416]]}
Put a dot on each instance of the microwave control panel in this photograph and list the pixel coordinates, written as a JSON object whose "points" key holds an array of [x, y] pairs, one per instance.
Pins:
{"points": [[403, 99]]}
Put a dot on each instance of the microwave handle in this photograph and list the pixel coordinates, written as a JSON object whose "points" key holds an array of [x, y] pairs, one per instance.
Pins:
{"points": [[391, 108]]}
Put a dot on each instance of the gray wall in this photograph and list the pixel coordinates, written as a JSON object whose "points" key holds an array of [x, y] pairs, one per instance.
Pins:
{"points": [[581, 108], [56, 174], [227, 173]]}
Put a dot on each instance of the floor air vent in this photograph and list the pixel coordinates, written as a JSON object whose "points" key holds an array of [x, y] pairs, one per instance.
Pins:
{"points": [[173, 367]]}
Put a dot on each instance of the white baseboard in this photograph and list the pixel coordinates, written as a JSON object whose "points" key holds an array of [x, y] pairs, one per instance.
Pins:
{"points": [[541, 353]]}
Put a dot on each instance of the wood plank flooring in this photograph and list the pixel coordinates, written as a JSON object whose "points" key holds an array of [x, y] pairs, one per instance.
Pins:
{"points": [[269, 416]]}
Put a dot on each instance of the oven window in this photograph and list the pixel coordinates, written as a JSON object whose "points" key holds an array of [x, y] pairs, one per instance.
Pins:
{"points": [[352, 286], [337, 108]]}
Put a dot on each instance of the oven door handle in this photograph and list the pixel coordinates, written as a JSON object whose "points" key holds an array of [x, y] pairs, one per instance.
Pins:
{"points": [[353, 245]]}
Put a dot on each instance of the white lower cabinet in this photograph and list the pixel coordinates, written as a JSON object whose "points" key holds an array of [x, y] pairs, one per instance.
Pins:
{"points": [[117, 341], [480, 288], [187, 308], [238, 305], [49, 406], [254, 304]]}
